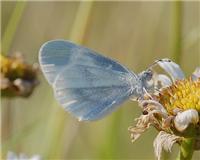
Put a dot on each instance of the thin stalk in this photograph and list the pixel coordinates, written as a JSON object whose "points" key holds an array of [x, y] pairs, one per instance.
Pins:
{"points": [[12, 26], [186, 149], [80, 22], [110, 149], [58, 121], [177, 17], [6, 42]]}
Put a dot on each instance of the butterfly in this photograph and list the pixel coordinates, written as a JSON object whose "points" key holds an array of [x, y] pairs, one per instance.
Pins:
{"points": [[88, 85]]}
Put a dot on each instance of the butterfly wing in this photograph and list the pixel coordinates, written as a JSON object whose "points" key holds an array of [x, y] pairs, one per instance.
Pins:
{"points": [[86, 84]]}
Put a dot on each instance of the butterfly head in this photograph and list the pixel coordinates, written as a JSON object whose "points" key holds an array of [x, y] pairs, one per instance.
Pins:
{"points": [[146, 78]]}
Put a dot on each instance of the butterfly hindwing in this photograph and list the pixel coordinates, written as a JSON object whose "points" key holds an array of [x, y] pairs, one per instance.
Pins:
{"points": [[90, 93]]}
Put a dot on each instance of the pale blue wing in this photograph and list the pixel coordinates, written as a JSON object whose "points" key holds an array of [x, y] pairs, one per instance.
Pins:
{"points": [[55, 55], [90, 93], [86, 84]]}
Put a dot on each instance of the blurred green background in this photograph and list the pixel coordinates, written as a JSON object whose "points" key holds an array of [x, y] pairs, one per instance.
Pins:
{"points": [[133, 33]]}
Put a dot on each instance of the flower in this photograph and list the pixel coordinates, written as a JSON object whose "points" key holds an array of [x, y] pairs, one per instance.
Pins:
{"points": [[22, 156], [17, 78], [182, 95], [173, 108]]}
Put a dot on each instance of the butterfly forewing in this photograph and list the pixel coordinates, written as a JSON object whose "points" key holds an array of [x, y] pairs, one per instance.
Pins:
{"points": [[86, 84], [55, 55]]}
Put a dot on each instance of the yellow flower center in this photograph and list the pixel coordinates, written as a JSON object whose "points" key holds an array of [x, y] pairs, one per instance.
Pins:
{"points": [[183, 94]]}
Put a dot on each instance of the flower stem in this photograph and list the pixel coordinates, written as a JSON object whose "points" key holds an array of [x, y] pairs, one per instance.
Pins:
{"points": [[11, 28], [186, 149], [177, 18]]}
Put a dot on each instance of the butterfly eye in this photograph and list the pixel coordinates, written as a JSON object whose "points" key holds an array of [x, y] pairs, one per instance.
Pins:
{"points": [[148, 75]]}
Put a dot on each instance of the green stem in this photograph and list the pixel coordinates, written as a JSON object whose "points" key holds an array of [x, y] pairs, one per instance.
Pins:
{"points": [[12, 26], [110, 149], [58, 121], [186, 149], [177, 16]]}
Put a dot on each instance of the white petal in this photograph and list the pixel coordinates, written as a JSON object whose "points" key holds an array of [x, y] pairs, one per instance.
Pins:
{"points": [[11, 156], [22, 156], [172, 69], [165, 80], [183, 119], [196, 74], [35, 157]]}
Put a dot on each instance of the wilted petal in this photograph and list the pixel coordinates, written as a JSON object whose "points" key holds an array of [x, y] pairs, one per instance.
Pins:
{"points": [[4, 82], [154, 105], [24, 87], [164, 141], [172, 69], [196, 74], [143, 123], [183, 119]]}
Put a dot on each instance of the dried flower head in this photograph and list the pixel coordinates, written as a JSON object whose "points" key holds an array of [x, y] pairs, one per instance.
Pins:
{"points": [[173, 109], [17, 77]]}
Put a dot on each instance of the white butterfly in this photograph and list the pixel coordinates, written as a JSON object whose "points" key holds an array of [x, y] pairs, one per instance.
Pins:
{"points": [[89, 85]]}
